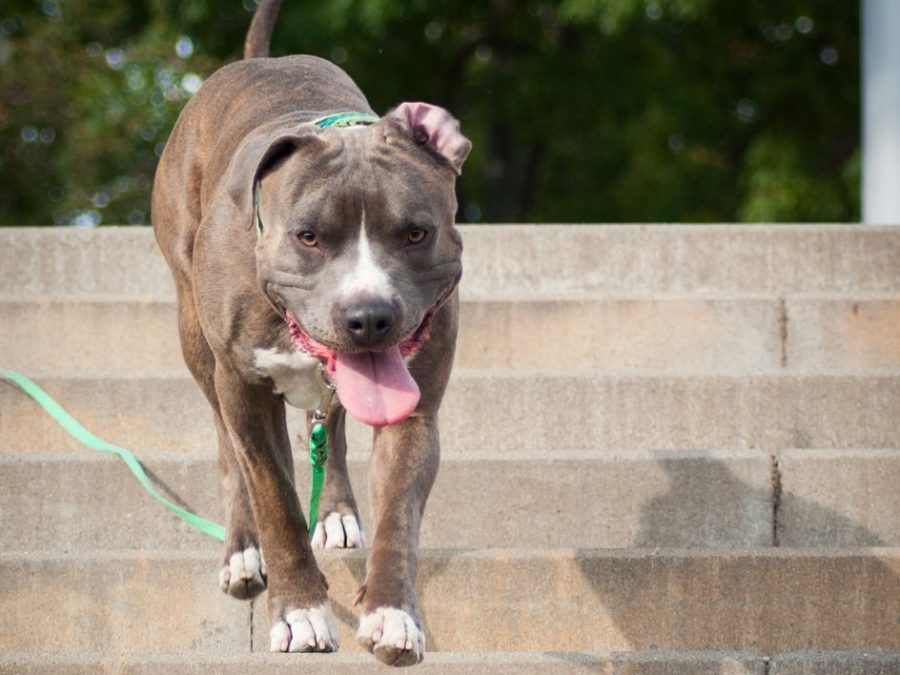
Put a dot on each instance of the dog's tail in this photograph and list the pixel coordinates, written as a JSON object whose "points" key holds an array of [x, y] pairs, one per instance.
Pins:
{"points": [[256, 45]]}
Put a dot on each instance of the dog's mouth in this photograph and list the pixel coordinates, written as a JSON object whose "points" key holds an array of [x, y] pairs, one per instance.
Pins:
{"points": [[374, 386]]}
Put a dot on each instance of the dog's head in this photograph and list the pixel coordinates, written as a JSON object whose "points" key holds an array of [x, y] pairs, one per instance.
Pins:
{"points": [[357, 248]]}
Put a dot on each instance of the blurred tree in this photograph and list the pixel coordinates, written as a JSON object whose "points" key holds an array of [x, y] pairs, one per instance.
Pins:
{"points": [[579, 110]]}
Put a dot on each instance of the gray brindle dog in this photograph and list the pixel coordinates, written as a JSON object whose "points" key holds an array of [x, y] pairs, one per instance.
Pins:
{"points": [[310, 239]]}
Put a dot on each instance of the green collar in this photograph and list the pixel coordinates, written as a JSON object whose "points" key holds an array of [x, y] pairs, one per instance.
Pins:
{"points": [[344, 119]]}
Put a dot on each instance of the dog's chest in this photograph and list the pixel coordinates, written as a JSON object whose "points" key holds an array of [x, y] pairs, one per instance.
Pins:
{"points": [[294, 374]]}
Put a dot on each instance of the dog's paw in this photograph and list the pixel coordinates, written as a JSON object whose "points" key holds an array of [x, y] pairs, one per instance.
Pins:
{"points": [[244, 575], [305, 630], [338, 531], [393, 636]]}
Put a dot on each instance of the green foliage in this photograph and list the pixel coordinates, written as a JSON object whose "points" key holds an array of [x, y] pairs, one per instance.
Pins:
{"points": [[579, 110], [88, 93], [778, 185]]}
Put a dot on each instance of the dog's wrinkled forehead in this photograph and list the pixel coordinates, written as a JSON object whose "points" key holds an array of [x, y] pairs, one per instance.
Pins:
{"points": [[364, 169], [366, 188], [417, 146]]}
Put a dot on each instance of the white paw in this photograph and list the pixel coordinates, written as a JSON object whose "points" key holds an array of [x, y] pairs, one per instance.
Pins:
{"points": [[305, 630], [245, 574], [337, 531], [393, 636]]}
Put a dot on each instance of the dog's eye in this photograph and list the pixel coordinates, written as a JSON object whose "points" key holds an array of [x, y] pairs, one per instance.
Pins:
{"points": [[308, 238], [416, 235]]}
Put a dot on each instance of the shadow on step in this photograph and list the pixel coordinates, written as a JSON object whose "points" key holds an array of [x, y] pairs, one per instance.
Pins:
{"points": [[720, 502], [825, 593]]}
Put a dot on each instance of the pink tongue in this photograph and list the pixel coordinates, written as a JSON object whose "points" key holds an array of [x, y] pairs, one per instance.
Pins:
{"points": [[375, 387]]}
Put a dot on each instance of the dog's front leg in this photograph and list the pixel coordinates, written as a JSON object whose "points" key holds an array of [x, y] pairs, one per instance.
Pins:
{"points": [[299, 611], [404, 464]]}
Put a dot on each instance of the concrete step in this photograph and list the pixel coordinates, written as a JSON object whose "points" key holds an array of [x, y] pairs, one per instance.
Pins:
{"points": [[764, 601], [507, 411], [654, 662], [861, 486], [83, 500], [514, 260], [835, 663], [436, 663], [728, 335]]}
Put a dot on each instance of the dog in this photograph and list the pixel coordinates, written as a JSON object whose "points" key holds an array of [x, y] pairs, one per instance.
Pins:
{"points": [[313, 244]]}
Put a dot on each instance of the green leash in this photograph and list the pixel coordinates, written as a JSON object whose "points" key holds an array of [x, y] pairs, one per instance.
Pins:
{"points": [[318, 453], [85, 437]]}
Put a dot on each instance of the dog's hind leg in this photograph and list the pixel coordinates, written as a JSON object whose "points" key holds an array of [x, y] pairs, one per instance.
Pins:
{"points": [[243, 573], [338, 524]]}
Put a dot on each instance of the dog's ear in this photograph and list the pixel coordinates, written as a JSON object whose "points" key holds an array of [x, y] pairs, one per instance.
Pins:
{"points": [[434, 128], [255, 155]]}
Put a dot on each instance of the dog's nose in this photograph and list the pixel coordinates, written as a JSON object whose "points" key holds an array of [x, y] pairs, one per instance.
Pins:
{"points": [[369, 322]]}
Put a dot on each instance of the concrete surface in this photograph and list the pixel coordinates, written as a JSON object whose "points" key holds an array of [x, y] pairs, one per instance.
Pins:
{"points": [[836, 663], [482, 600], [436, 663], [860, 333], [863, 486], [82, 501], [509, 411], [467, 663]]}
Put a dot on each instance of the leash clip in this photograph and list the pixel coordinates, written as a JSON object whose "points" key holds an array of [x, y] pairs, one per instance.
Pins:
{"points": [[328, 390], [318, 450]]}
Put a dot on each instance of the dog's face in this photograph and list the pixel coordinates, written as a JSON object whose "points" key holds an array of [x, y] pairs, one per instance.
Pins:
{"points": [[358, 246]]}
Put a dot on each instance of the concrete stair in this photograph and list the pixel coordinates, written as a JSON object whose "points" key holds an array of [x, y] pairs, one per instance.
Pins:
{"points": [[733, 334], [656, 662], [666, 449]]}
